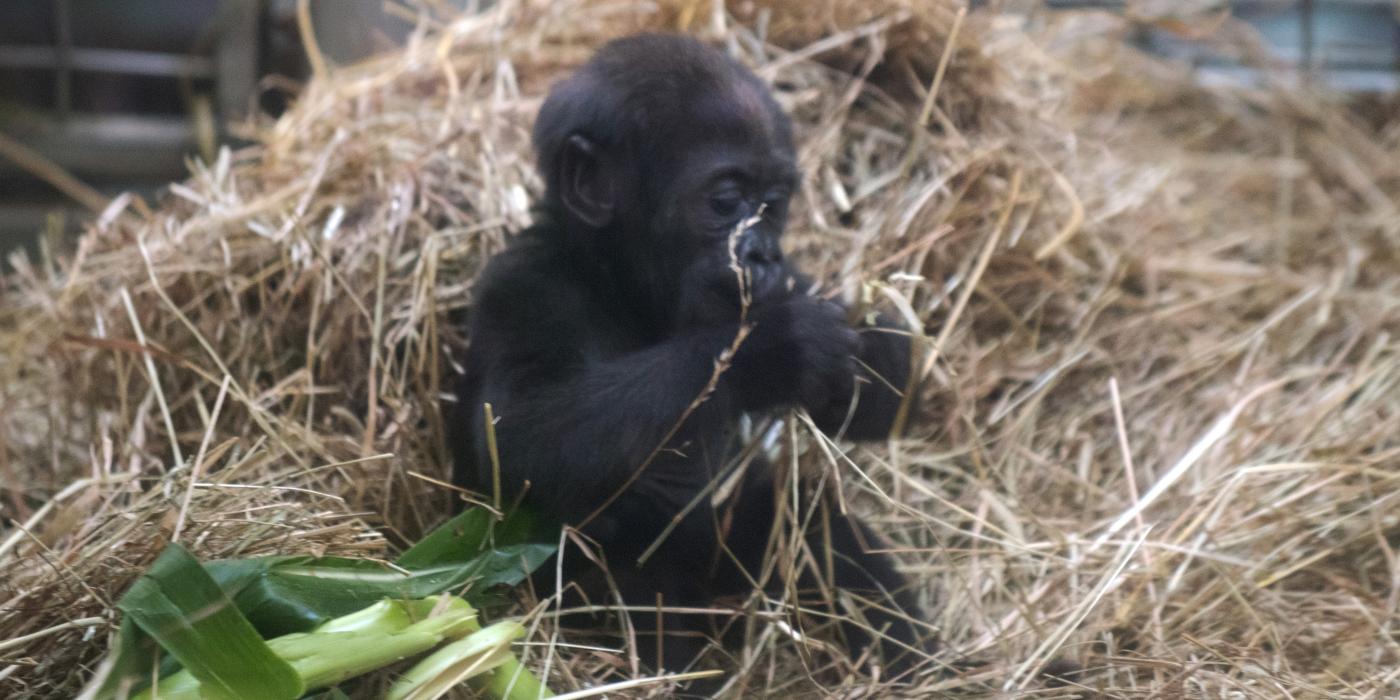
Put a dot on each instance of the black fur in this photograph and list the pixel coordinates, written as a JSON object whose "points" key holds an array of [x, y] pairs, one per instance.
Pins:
{"points": [[594, 333]]}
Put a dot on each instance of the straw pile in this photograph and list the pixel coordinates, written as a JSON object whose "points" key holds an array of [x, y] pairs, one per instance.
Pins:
{"points": [[1162, 406]]}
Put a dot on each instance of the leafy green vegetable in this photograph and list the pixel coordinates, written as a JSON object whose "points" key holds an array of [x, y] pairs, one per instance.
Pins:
{"points": [[348, 646], [183, 609], [293, 594], [185, 606], [449, 666], [476, 530], [512, 681]]}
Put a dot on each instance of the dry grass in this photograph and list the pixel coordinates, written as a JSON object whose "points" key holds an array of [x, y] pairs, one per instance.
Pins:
{"points": [[1162, 407]]}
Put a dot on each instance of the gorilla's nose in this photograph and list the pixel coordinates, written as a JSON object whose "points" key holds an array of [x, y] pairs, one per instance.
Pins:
{"points": [[759, 250]]}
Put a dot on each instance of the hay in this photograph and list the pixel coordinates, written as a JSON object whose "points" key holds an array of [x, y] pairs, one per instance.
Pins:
{"points": [[1161, 402]]}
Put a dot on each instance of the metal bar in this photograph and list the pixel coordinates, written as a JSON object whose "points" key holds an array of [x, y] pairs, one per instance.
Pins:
{"points": [[107, 61], [63, 57], [236, 59], [1355, 81], [1305, 17], [119, 146], [1395, 34]]}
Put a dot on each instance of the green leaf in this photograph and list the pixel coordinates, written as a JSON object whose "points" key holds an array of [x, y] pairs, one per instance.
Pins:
{"points": [[294, 594], [182, 608], [477, 531], [467, 556], [127, 666]]}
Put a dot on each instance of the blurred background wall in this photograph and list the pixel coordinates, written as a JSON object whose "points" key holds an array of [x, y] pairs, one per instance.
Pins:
{"points": [[119, 94]]}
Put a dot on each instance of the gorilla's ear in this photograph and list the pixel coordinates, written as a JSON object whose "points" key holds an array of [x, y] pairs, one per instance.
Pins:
{"points": [[587, 185]]}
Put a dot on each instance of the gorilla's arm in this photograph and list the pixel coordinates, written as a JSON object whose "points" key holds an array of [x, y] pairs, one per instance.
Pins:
{"points": [[574, 421]]}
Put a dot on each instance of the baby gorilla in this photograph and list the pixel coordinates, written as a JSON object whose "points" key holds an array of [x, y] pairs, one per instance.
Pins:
{"points": [[597, 337]]}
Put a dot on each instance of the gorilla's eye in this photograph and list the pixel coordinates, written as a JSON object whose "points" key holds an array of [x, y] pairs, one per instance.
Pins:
{"points": [[726, 203]]}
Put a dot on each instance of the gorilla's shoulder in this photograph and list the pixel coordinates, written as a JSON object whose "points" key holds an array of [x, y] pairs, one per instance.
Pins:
{"points": [[530, 279]]}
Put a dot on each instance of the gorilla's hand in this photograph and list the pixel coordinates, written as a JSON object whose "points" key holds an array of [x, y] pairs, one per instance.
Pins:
{"points": [[800, 352]]}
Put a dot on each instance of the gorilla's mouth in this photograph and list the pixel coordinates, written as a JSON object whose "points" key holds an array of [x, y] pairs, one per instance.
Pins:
{"points": [[710, 294], [759, 284], [769, 282]]}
